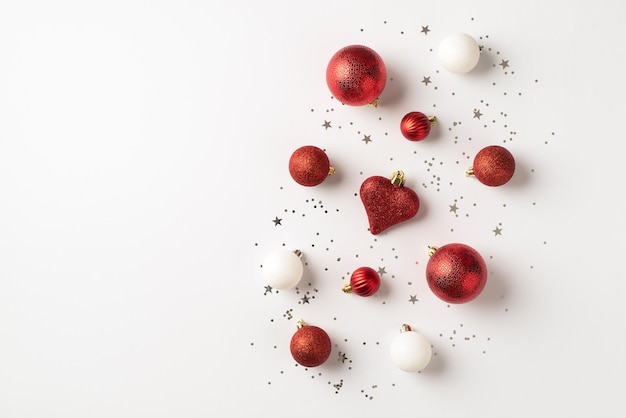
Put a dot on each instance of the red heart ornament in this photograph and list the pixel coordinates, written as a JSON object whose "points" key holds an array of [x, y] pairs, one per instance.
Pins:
{"points": [[388, 202]]}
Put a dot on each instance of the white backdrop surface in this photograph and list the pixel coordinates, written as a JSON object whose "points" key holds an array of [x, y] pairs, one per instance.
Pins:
{"points": [[143, 179]]}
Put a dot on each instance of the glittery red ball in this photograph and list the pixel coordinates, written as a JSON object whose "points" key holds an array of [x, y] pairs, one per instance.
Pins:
{"points": [[456, 273], [309, 165], [310, 346], [415, 126], [356, 75], [386, 204], [364, 281], [494, 165]]}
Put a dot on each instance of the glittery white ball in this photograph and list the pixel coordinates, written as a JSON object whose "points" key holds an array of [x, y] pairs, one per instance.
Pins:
{"points": [[411, 351], [282, 269], [458, 53]]}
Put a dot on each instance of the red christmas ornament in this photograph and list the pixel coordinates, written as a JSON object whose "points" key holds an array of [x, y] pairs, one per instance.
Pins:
{"points": [[309, 166], [456, 273], [415, 126], [364, 281], [356, 75], [493, 166], [388, 203], [310, 345]]}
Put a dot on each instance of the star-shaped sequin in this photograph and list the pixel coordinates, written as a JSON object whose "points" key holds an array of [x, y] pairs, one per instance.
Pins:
{"points": [[504, 64], [477, 113], [426, 80], [304, 299], [425, 30], [413, 299], [342, 357], [453, 208], [367, 139], [268, 289], [497, 231], [277, 221], [381, 271], [326, 124]]}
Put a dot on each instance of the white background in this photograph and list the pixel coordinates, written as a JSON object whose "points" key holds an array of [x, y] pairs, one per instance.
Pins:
{"points": [[143, 150]]}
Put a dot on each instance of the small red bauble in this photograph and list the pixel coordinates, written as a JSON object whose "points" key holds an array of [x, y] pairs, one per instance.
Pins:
{"points": [[493, 166], [456, 273], [386, 202], [415, 126], [364, 281], [310, 345], [309, 166], [356, 75]]}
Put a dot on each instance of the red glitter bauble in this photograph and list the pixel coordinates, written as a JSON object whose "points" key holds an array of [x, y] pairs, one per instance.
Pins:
{"points": [[356, 75], [415, 126], [310, 346], [364, 281], [456, 273], [309, 166], [386, 203], [493, 165]]}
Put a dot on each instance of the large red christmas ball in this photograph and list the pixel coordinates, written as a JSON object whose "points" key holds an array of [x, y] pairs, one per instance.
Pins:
{"points": [[415, 126], [493, 165], [310, 346], [364, 281], [456, 273], [356, 75], [309, 166]]}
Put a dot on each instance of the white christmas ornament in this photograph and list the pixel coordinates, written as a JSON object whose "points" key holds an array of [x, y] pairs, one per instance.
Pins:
{"points": [[458, 53], [410, 351], [282, 269]]}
